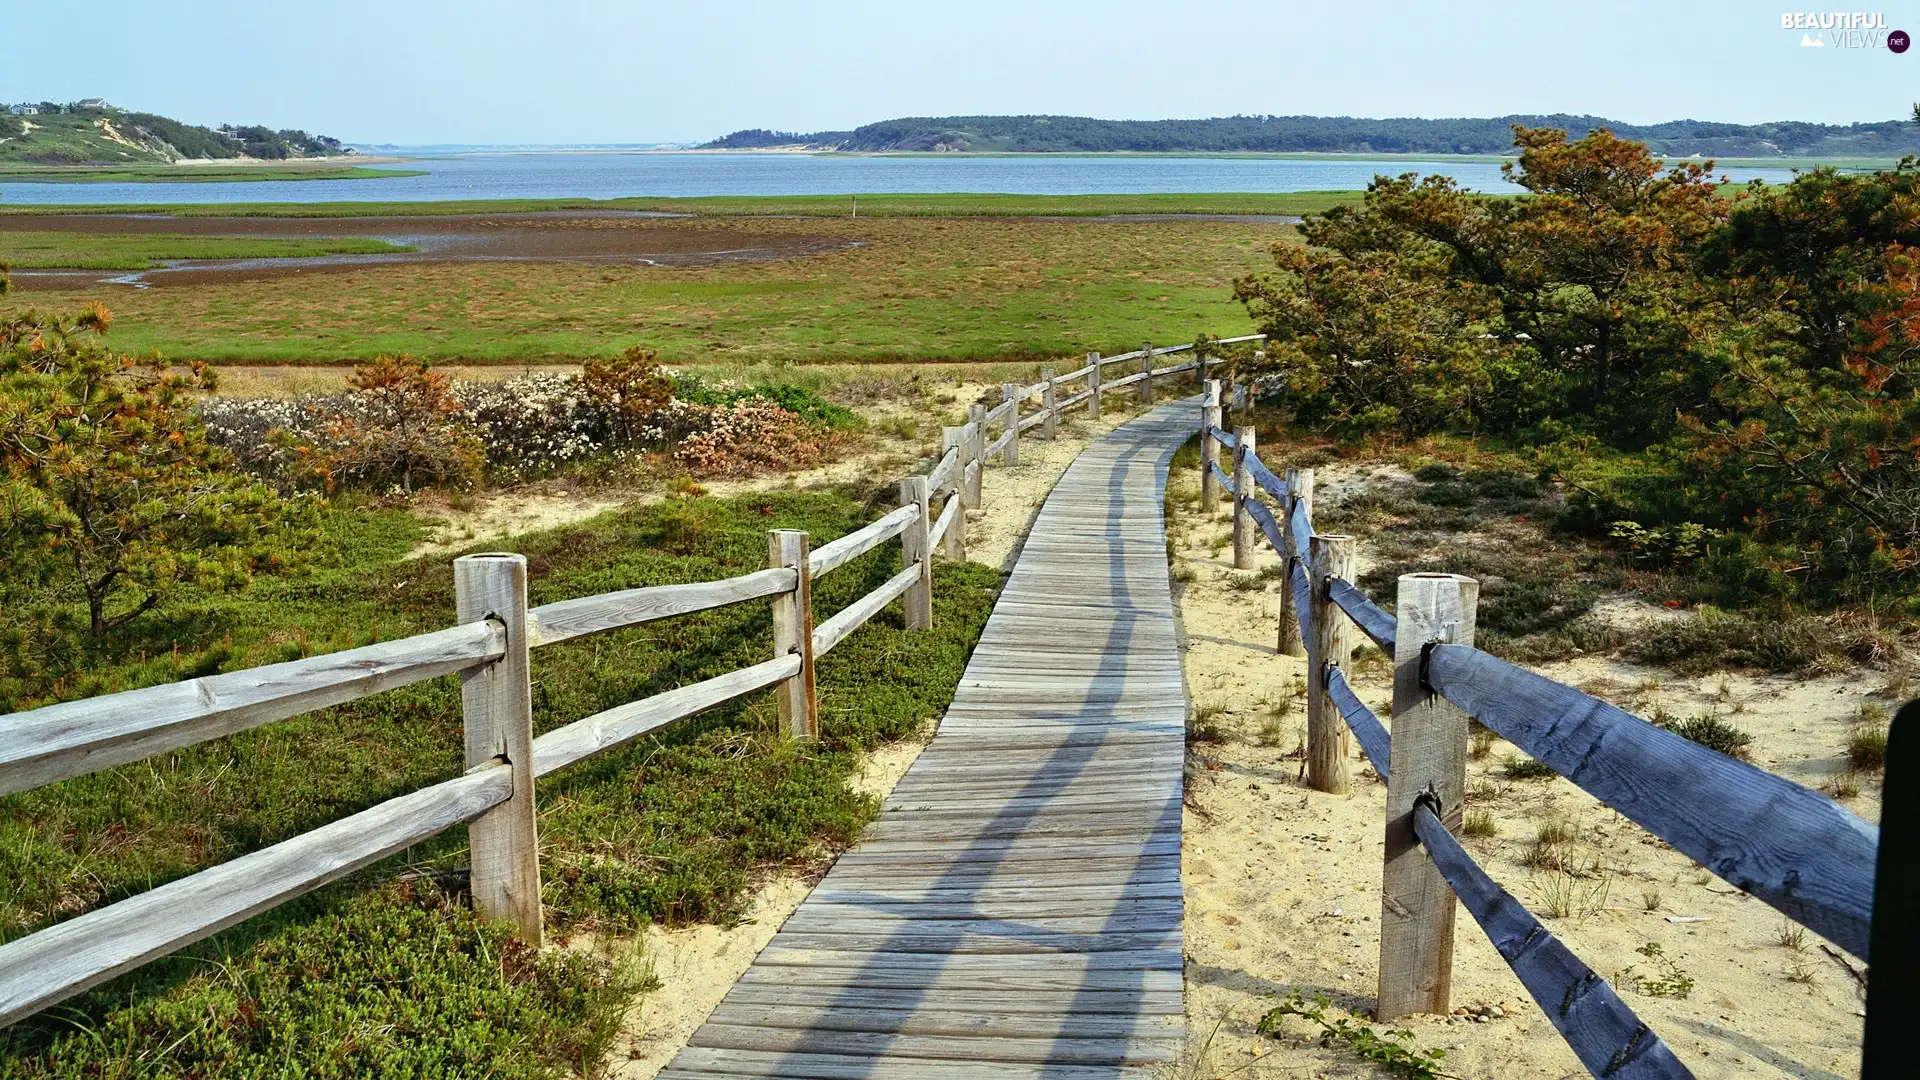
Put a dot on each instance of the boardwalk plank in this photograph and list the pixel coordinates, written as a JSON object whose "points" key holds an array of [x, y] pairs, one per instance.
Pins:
{"points": [[1016, 909]]}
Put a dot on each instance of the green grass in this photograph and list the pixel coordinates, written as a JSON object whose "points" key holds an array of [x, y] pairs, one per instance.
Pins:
{"points": [[671, 829], [138, 251], [190, 174], [879, 205], [914, 289]]}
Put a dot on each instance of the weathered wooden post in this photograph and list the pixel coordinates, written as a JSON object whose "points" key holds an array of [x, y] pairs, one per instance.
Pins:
{"points": [[1299, 493], [1209, 447], [1010, 396], [1200, 369], [1244, 526], [1427, 750], [1049, 426], [496, 704], [976, 463], [916, 547], [1093, 386], [954, 438], [1146, 374], [1242, 395], [1329, 743], [954, 544], [793, 634]]}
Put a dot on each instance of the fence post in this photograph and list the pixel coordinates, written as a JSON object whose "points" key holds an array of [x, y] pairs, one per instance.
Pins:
{"points": [[1242, 394], [1010, 395], [916, 548], [1200, 369], [976, 456], [793, 634], [1146, 374], [1329, 744], [1209, 448], [1299, 493], [1428, 749], [1093, 385], [1243, 523], [954, 544], [1048, 427], [496, 704]]}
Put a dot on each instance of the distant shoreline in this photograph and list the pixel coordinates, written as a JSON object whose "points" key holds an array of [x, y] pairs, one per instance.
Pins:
{"points": [[329, 161], [1276, 155]]}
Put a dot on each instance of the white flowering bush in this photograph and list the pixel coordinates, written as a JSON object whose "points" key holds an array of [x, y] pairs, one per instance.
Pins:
{"points": [[533, 425], [530, 425]]}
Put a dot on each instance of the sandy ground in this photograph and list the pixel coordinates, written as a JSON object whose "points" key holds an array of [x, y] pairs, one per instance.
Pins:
{"points": [[1282, 882], [696, 966]]}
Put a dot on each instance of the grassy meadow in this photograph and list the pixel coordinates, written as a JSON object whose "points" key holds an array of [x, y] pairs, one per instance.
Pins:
{"points": [[915, 288]]}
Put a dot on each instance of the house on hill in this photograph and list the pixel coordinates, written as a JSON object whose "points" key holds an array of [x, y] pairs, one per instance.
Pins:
{"points": [[25, 108], [92, 103]]}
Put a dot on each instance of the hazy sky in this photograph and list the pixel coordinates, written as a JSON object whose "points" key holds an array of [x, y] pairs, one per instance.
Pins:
{"points": [[603, 71]]}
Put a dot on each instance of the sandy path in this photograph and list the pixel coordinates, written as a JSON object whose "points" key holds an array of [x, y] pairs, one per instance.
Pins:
{"points": [[1282, 882]]}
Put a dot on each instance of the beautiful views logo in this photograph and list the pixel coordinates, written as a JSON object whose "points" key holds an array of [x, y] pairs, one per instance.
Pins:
{"points": [[1845, 30]]}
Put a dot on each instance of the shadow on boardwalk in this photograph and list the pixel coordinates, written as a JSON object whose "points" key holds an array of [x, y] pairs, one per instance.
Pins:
{"points": [[1016, 911]]}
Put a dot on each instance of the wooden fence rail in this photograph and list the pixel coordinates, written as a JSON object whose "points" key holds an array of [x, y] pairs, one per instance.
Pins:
{"points": [[488, 649], [1791, 847]]}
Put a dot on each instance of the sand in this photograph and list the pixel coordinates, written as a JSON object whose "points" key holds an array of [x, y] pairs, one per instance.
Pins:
{"points": [[1282, 882]]}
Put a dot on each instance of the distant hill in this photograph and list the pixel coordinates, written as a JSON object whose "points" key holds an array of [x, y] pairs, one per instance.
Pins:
{"points": [[1334, 134], [94, 132]]}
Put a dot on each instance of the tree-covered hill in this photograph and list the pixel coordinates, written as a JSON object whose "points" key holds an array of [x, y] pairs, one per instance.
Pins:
{"points": [[51, 133], [1336, 134]]}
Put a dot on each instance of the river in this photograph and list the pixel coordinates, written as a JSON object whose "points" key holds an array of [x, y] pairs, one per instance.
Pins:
{"points": [[604, 175]]}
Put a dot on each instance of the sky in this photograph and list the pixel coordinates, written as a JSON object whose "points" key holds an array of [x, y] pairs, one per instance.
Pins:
{"points": [[601, 71]]}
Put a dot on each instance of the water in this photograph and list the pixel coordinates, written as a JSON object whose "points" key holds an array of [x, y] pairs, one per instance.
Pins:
{"points": [[612, 175]]}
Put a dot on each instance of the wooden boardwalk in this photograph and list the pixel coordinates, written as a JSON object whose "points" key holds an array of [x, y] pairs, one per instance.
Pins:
{"points": [[1016, 910]]}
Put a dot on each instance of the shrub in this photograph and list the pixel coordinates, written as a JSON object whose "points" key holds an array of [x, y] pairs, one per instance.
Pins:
{"points": [[535, 425], [1716, 639], [1526, 768], [1711, 732], [629, 387], [110, 492], [404, 424], [799, 400], [415, 428], [748, 436]]}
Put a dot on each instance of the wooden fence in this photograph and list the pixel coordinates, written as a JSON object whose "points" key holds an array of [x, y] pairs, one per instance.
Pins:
{"points": [[489, 648], [1787, 845]]}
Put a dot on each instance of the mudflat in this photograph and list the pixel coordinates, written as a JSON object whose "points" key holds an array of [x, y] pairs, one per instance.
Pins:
{"points": [[595, 236]]}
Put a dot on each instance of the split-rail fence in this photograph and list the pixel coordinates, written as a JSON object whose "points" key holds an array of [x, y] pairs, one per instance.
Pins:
{"points": [[489, 649], [1789, 846]]}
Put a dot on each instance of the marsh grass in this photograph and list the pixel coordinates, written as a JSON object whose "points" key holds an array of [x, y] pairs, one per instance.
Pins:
{"points": [[140, 251], [914, 289]]}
